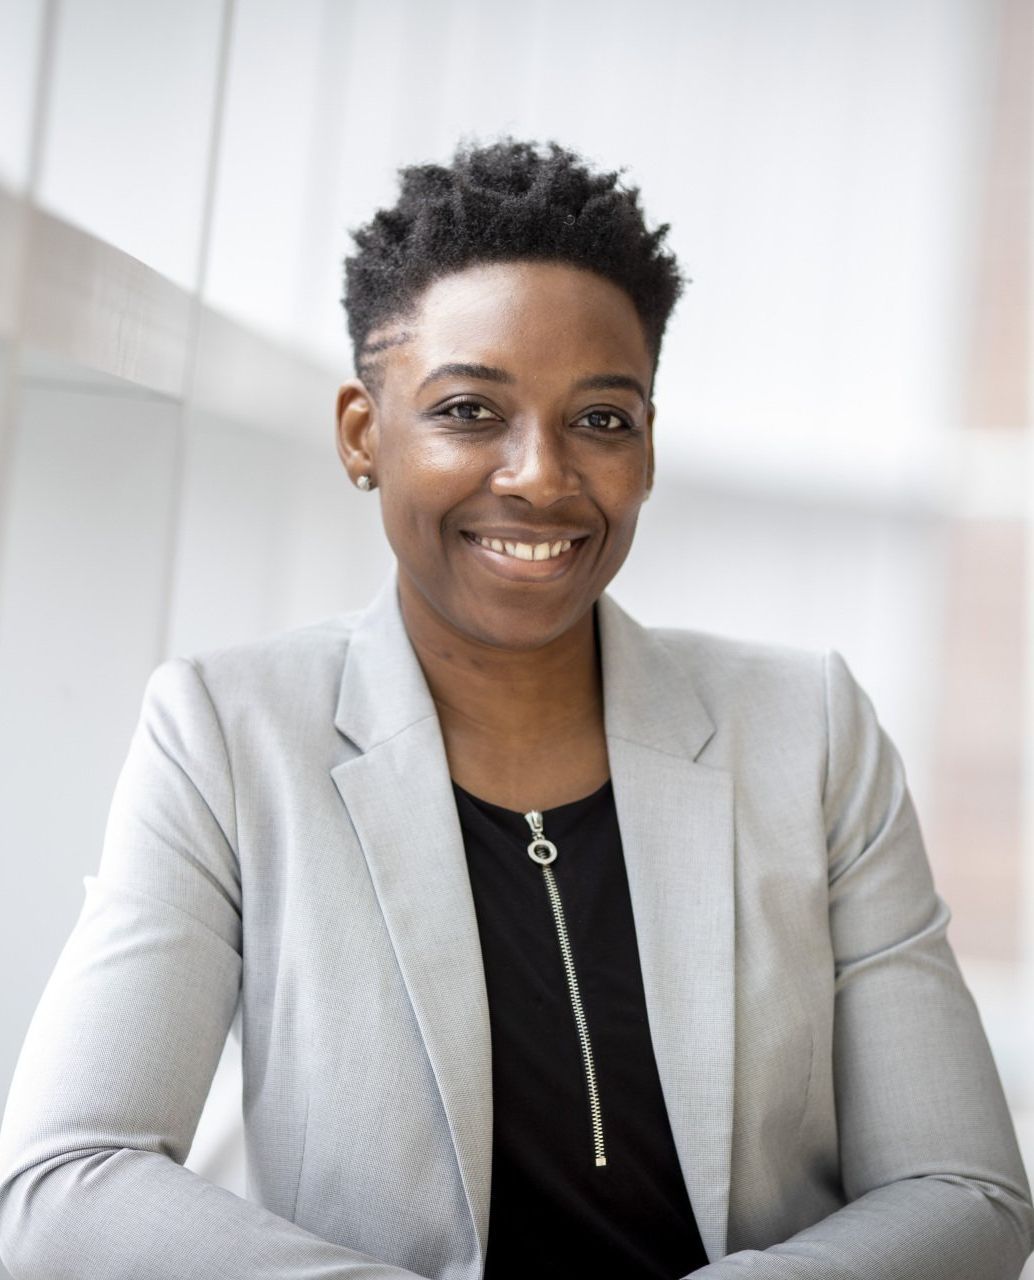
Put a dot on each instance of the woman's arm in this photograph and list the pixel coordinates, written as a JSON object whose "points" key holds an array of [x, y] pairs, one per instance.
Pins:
{"points": [[928, 1156], [122, 1048]]}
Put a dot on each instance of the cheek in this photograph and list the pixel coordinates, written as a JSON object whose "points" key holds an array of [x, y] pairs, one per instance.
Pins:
{"points": [[427, 473], [620, 492], [408, 523], [416, 501], [623, 531]]}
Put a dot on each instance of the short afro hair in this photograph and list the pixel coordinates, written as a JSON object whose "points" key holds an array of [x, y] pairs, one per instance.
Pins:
{"points": [[504, 201]]}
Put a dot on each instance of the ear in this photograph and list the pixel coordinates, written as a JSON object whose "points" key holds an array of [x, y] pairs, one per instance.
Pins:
{"points": [[356, 435], [649, 447]]}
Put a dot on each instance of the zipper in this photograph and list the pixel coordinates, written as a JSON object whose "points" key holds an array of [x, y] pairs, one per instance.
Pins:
{"points": [[543, 852]]}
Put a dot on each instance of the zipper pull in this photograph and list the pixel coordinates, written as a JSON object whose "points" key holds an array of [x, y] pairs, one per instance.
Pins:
{"points": [[540, 849]]}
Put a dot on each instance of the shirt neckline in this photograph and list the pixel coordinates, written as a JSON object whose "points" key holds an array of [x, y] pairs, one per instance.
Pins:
{"points": [[560, 810]]}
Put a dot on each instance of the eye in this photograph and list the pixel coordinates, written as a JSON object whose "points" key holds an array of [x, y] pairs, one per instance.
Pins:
{"points": [[480, 412], [606, 420]]}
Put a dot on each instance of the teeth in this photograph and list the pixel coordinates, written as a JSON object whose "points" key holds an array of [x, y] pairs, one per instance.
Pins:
{"points": [[526, 550]]}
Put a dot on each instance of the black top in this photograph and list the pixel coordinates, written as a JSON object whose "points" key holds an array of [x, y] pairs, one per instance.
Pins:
{"points": [[554, 1212]]}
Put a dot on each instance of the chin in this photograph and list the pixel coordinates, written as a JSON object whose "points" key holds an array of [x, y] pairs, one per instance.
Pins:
{"points": [[519, 628]]}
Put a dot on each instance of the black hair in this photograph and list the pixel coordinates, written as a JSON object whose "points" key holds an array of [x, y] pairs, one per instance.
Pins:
{"points": [[504, 201]]}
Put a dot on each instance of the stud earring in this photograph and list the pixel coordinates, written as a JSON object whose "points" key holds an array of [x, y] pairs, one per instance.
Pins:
{"points": [[365, 483]]}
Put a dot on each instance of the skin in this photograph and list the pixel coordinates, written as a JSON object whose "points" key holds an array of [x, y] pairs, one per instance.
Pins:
{"points": [[508, 647]]}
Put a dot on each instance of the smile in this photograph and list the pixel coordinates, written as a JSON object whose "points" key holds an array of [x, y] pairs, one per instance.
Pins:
{"points": [[520, 561], [524, 550]]}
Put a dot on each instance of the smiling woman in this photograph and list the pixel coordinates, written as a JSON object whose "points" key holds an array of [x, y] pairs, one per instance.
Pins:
{"points": [[511, 481], [562, 946]]}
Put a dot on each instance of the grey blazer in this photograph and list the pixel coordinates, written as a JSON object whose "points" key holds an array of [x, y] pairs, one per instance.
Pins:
{"points": [[283, 860]]}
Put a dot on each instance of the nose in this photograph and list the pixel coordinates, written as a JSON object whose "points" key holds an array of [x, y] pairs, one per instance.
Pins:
{"points": [[538, 465]]}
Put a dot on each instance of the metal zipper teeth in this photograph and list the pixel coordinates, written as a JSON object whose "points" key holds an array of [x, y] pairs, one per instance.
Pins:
{"points": [[535, 820]]}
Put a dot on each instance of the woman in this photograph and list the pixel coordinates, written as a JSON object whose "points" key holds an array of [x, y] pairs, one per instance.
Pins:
{"points": [[555, 945]]}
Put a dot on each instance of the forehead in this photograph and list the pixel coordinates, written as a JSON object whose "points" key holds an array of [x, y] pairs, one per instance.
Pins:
{"points": [[524, 316]]}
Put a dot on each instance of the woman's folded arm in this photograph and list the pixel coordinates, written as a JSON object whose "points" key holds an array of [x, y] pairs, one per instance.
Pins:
{"points": [[122, 1048], [929, 1163]]}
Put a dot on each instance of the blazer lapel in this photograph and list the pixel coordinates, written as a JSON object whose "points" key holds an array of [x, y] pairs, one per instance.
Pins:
{"points": [[399, 798], [676, 822], [675, 817]]}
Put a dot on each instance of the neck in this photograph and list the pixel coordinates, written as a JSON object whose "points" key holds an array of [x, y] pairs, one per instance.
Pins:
{"points": [[513, 699]]}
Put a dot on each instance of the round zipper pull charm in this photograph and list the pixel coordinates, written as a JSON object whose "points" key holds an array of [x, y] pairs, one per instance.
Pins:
{"points": [[540, 850]]}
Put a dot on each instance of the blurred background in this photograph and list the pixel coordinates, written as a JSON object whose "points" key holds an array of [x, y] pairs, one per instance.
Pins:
{"points": [[843, 428]]}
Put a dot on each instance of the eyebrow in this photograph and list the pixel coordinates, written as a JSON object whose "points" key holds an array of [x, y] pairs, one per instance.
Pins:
{"points": [[484, 372], [489, 373], [612, 382]]}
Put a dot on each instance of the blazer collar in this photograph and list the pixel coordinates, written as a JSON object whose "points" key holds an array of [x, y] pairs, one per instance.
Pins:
{"points": [[676, 823], [383, 689]]}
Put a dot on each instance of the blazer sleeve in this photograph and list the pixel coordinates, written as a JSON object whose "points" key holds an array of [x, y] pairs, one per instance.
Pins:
{"points": [[928, 1157], [123, 1045]]}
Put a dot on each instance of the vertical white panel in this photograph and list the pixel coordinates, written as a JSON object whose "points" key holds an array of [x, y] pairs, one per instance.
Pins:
{"points": [[826, 222], [273, 210], [21, 26], [272, 534], [130, 123], [83, 575]]}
